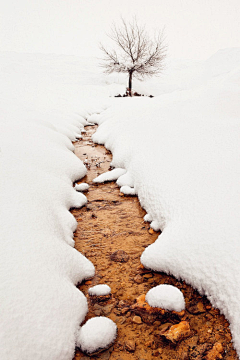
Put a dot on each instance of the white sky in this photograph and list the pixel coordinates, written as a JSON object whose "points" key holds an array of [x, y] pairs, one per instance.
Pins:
{"points": [[195, 29]]}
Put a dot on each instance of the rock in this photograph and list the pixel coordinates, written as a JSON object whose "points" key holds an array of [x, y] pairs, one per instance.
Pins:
{"points": [[164, 327], [99, 298], [97, 312], [215, 352], [119, 256], [177, 332], [151, 231], [107, 309], [105, 355], [197, 308], [147, 276], [124, 310], [142, 305], [130, 345], [137, 320], [199, 351], [138, 279]]}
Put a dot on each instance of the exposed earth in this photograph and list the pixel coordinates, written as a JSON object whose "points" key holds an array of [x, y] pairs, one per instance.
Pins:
{"points": [[112, 234]]}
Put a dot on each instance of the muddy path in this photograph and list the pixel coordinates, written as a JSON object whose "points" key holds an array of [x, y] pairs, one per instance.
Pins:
{"points": [[111, 222]]}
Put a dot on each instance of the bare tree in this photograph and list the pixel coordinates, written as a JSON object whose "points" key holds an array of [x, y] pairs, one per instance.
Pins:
{"points": [[134, 52]]}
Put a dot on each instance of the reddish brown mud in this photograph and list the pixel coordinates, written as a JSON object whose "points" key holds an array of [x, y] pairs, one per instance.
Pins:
{"points": [[111, 222]]}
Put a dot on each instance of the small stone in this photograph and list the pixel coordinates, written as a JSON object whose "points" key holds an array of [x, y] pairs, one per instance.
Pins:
{"points": [[147, 276], [119, 256], [199, 351], [177, 332], [138, 279], [124, 310], [215, 352], [130, 345], [157, 323], [164, 327], [151, 231], [137, 319], [97, 312], [197, 308], [107, 309]]}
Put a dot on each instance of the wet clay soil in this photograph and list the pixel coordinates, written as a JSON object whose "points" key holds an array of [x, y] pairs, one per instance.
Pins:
{"points": [[111, 222]]}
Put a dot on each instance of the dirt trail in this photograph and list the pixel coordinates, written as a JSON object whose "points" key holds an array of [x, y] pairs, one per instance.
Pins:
{"points": [[111, 222]]}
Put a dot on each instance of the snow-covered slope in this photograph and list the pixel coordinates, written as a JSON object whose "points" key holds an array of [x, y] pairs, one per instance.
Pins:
{"points": [[41, 110], [182, 151]]}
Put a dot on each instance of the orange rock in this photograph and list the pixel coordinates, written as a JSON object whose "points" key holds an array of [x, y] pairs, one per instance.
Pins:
{"points": [[151, 231], [137, 320], [89, 282], [215, 352], [177, 332], [141, 304]]}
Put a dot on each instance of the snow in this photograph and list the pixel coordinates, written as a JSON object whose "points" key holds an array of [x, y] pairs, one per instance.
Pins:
{"points": [[109, 175], [179, 152], [167, 297], [41, 106], [97, 333], [81, 187], [100, 290], [181, 149], [127, 190]]}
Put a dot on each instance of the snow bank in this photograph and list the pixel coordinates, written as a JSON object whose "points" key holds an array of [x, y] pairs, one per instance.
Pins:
{"points": [[98, 333], [182, 151], [41, 112], [100, 290], [167, 297]]}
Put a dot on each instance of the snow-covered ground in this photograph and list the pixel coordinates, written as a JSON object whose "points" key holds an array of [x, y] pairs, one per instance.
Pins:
{"points": [[182, 156], [179, 152], [43, 106]]}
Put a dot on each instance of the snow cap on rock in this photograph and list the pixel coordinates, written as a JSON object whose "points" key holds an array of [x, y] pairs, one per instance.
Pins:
{"points": [[167, 297], [99, 290], [82, 187], [98, 333]]}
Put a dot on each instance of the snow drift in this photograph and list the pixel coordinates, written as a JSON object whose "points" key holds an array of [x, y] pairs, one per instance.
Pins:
{"points": [[181, 150]]}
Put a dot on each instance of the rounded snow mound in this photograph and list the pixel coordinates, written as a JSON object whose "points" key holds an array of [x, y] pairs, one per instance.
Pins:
{"points": [[167, 297], [82, 187], [99, 290], [98, 333]]}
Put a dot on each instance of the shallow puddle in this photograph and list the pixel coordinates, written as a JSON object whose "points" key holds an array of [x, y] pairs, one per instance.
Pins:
{"points": [[111, 222]]}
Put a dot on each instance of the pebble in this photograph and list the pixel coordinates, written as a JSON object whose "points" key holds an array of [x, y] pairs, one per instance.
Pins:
{"points": [[147, 276], [138, 279], [177, 332], [197, 308], [215, 352], [137, 320], [119, 256], [130, 345]]}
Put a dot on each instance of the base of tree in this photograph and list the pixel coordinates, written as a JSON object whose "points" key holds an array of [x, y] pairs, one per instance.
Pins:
{"points": [[127, 94]]}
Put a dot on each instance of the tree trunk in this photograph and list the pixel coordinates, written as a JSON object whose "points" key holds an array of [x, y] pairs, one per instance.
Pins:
{"points": [[130, 83]]}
